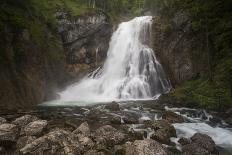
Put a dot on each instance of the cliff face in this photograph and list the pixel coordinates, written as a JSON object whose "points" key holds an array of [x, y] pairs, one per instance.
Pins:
{"points": [[37, 62], [85, 39], [178, 49], [28, 70]]}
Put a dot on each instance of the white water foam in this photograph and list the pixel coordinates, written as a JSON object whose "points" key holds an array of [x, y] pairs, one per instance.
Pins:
{"points": [[221, 136], [131, 71]]}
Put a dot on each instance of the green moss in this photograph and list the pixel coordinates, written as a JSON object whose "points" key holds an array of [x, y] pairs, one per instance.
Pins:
{"points": [[202, 93]]}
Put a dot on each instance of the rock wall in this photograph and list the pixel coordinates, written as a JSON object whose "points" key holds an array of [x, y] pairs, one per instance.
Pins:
{"points": [[32, 71], [85, 38], [29, 73], [178, 48]]}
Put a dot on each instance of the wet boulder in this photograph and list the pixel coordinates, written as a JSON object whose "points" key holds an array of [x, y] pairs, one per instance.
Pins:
{"points": [[145, 147], [56, 142], [83, 130], [136, 134], [2, 120], [172, 117], [116, 120], [109, 136], [204, 141], [113, 106], [194, 149], [130, 119], [184, 141], [35, 128], [22, 141], [201, 144], [8, 133], [163, 131]]}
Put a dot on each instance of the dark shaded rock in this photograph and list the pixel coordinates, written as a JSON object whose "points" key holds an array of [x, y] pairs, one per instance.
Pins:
{"points": [[35, 128], [215, 120], [2, 150], [229, 121], [163, 131], [136, 135], [2, 120], [161, 136], [94, 152], [174, 49], [172, 117], [116, 120], [108, 135], [56, 142], [119, 149], [194, 149], [172, 150], [204, 141], [113, 106], [184, 141], [22, 141], [82, 130], [130, 120], [8, 133], [146, 147], [72, 123]]}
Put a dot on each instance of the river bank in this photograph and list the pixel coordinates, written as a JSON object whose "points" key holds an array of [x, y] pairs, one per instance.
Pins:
{"points": [[114, 128]]}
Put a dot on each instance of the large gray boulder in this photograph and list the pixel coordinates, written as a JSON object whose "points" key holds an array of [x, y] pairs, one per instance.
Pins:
{"points": [[194, 149], [172, 117], [201, 144], [24, 120], [57, 142], [8, 133], [82, 130], [146, 147], [163, 131], [204, 141], [35, 128], [108, 135], [113, 106]]}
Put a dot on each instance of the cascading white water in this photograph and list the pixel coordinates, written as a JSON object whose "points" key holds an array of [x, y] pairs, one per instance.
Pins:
{"points": [[131, 70]]}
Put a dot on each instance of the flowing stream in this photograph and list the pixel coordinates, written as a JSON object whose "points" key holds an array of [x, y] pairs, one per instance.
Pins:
{"points": [[132, 73], [131, 70]]}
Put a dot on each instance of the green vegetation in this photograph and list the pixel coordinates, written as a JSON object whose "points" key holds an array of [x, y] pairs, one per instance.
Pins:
{"points": [[212, 22]]}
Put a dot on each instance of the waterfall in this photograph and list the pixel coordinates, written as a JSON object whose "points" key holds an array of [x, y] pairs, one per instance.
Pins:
{"points": [[131, 70], [96, 56]]}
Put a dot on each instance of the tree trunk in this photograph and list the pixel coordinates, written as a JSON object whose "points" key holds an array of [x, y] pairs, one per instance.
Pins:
{"points": [[208, 53]]}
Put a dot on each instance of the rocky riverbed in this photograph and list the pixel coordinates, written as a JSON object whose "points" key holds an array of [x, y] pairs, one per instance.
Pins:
{"points": [[114, 128]]}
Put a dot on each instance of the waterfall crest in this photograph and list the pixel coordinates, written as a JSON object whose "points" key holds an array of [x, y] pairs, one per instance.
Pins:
{"points": [[131, 70]]}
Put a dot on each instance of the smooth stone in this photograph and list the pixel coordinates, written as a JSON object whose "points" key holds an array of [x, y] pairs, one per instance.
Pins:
{"points": [[35, 128], [146, 147]]}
